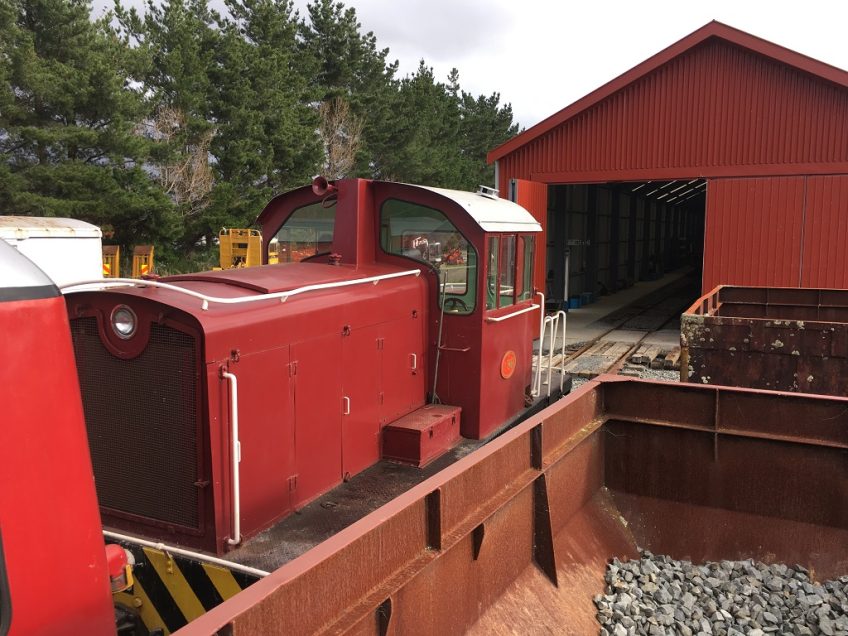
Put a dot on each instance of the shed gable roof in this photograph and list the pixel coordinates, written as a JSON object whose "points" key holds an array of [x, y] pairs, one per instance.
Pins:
{"points": [[712, 30]]}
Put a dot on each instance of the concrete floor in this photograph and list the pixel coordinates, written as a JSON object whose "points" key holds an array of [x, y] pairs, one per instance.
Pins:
{"points": [[587, 323]]}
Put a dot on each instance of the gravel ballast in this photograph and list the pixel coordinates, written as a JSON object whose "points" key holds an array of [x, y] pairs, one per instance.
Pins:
{"points": [[658, 595]]}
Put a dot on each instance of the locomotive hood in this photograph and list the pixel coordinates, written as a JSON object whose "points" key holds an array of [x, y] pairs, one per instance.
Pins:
{"points": [[244, 306]]}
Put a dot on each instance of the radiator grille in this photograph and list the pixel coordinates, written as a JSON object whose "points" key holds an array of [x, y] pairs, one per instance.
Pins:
{"points": [[141, 416]]}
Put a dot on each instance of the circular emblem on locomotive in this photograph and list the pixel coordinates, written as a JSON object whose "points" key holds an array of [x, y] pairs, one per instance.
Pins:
{"points": [[508, 365]]}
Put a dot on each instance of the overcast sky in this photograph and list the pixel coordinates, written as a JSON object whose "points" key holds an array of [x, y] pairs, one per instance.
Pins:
{"points": [[541, 56]]}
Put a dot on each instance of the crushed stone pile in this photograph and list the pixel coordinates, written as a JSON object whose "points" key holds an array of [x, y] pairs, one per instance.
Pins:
{"points": [[658, 595]]}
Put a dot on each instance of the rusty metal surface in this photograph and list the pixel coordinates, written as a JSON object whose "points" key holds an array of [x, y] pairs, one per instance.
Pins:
{"points": [[768, 338], [514, 537]]}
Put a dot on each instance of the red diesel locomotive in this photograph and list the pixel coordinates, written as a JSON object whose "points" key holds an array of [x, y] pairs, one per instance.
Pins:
{"points": [[218, 402]]}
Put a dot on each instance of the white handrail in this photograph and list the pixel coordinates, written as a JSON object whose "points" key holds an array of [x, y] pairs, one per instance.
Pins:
{"points": [[236, 451], [513, 314], [198, 556], [557, 324], [536, 389], [108, 283]]}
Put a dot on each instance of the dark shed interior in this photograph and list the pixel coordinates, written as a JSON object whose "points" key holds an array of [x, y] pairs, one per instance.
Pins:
{"points": [[603, 237]]}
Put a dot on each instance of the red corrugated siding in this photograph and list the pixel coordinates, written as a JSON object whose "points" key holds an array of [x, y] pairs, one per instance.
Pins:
{"points": [[716, 110], [754, 232], [534, 198], [825, 256]]}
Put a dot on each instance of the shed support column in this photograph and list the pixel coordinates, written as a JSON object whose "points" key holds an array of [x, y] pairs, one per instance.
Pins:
{"points": [[592, 236], [658, 243], [646, 238], [675, 235], [558, 239], [631, 240], [668, 258], [615, 237]]}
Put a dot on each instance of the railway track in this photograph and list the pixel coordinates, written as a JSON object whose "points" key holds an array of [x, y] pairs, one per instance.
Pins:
{"points": [[634, 329]]}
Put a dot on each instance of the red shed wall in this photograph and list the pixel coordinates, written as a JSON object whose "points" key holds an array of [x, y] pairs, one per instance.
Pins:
{"points": [[825, 262], [717, 109], [777, 232]]}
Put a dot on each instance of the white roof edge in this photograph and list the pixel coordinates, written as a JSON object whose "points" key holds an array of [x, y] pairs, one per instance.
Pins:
{"points": [[24, 227], [492, 215]]}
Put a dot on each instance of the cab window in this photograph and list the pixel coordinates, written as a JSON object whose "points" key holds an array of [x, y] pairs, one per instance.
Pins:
{"points": [[426, 235], [528, 247], [307, 232], [510, 275], [507, 272]]}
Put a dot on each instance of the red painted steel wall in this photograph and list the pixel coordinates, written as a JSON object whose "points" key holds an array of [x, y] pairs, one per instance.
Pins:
{"points": [[715, 110], [51, 527], [534, 198], [825, 257], [777, 232], [753, 232]]}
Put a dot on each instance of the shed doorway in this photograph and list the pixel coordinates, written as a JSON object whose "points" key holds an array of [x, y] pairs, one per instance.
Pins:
{"points": [[605, 237]]}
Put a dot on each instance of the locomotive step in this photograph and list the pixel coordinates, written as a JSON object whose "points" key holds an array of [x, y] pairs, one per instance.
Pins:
{"points": [[423, 435]]}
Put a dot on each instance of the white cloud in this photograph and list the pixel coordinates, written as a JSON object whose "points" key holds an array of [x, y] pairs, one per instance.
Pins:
{"points": [[543, 55]]}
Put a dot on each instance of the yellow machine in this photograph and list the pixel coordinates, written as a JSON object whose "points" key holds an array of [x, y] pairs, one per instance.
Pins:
{"points": [[240, 248], [142, 263], [111, 261]]}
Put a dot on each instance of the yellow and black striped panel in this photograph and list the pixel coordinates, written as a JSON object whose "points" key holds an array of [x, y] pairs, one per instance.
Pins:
{"points": [[170, 590]]}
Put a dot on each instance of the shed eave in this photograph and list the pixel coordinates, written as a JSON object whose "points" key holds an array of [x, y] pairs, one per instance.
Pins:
{"points": [[712, 29]]}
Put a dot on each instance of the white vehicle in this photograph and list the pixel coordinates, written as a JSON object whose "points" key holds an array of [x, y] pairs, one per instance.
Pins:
{"points": [[67, 250]]}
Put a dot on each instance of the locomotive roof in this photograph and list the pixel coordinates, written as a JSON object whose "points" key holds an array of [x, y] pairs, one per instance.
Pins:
{"points": [[21, 227], [492, 214]]}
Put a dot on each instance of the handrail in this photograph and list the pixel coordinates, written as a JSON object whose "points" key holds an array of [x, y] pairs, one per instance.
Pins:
{"points": [[536, 388], [513, 314], [557, 324], [198, 556], [236, 451], [283, 296]]}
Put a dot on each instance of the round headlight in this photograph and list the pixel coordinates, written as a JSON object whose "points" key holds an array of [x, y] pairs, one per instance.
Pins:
{"points": [[123, 322]]}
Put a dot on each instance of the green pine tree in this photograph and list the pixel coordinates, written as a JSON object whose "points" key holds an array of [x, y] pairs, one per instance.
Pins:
{"points": [[351, 67], [230, 94], [268, 141], [69, 114], [177, 41], [485, 124]]}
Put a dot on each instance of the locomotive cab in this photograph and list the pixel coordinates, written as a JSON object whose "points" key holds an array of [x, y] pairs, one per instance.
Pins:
{"points": [[478, 253]]}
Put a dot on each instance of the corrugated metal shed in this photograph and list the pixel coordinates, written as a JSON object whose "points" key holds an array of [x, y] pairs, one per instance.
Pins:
{"points": [[720, 102], [766, 126]]}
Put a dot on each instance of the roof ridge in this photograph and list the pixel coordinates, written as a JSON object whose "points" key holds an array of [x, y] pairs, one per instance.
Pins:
{"points": [[712, 29]]}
